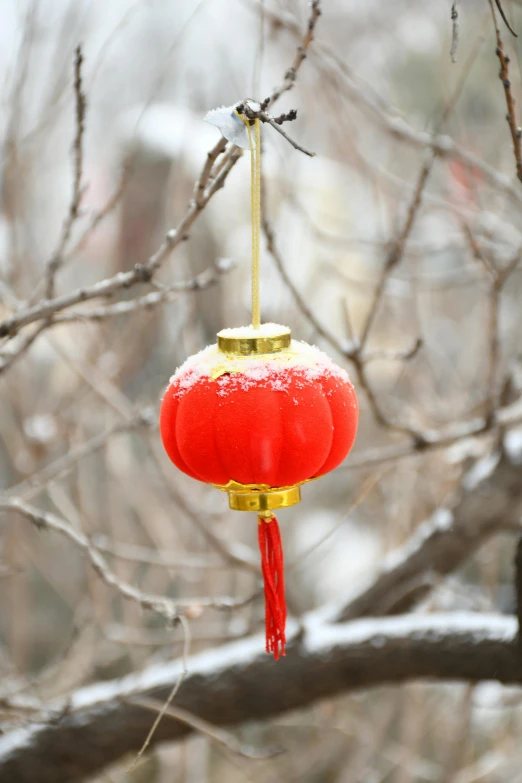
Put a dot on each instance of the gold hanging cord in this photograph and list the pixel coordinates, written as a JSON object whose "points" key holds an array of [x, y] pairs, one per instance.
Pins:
{"points": [[255, 203]]}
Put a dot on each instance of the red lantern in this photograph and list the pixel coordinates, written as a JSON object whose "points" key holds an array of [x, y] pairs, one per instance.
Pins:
{"points": [[257, 416]]}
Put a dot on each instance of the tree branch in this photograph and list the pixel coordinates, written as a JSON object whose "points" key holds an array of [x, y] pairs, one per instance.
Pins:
{"points": [[506, 83], [238, 682], [206, 186], [74, 209], [390, 119], [98, 725], [491, 500], [167, 609], [454, 31]]}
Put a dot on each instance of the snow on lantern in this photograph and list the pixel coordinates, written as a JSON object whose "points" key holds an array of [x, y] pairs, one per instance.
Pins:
{"points": [[257, 415]]}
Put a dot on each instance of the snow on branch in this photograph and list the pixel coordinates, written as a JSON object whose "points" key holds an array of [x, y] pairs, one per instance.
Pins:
{"points": [[99, 724]]}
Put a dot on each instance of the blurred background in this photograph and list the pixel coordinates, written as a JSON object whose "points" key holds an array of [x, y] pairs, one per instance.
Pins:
{"points": [[78, 433]]}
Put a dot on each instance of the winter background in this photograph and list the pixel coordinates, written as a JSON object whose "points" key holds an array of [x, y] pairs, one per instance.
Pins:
{"points": [[78, 433]]}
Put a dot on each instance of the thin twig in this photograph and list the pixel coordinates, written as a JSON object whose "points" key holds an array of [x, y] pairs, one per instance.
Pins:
{"points": [[504, 18], [236, 554], [497, 279], [299, 299], [335, 67], [140, 637], [165, 608], [206, 279], [302, 50], [516, 132], [143, 555], [392, 121], [393, 259], [9, 357], [214, 733], [101, 215], [395, 254], [420, 441], [265, 118], [351, 352], [398, 356], [46, 521], [355, 352], [495, 289], [58, 469], [172, 695], [199, 188], [80, 109], [247, 109], [494, 348], [454, 30], [367, 486], [142, 273]]}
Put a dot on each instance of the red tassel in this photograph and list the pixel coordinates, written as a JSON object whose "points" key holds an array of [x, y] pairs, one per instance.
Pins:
{"points": [[271, 549]]}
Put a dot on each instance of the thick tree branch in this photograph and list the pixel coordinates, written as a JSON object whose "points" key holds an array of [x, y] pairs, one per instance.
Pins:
{"points": [[239, 682], [491, 500]]}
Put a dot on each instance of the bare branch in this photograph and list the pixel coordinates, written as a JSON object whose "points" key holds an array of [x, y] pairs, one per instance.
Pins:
{"points": [[199, 189], [100, 216], [516, 132], [238, 682], [442, 544], [163, 709], [454, 31], [143, 273], [351, 352], [390, 119], [265, 118], [275, 122], [140, 554], [215, 734], [61, 466], [396, 252], [206, 279], [169, 610], [80, 105], [398, 356], [298, 298], [504, 18], [302, 51], [11, 355]]}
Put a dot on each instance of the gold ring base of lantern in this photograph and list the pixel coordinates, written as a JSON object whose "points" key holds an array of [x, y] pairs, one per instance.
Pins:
{"points": [[248, 346], [251, 497]]}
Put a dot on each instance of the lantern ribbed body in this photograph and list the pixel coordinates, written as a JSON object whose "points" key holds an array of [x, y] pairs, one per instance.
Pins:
{"points": [[274, 420]]}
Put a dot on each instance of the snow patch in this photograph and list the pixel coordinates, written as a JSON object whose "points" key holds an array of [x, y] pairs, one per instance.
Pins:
{"points": [[307, 364], [513, 445]]}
